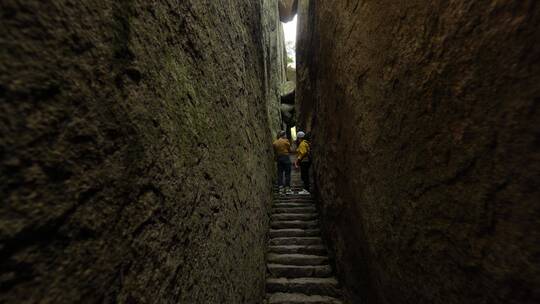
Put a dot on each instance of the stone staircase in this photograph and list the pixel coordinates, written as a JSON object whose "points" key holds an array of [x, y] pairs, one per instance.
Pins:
{"points": [[298, 271]]}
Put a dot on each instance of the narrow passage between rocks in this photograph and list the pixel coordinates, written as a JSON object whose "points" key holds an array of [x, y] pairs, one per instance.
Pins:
{"points": [[136, 161], [298, 268]]}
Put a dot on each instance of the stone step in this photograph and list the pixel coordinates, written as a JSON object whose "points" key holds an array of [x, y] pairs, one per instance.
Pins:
{"points": [[293, 205], [294, 232], [295, 194], [293, 188], [297, 259], [294, 271], [302, 249], [298, 298], [294, 216], [310, 240], [310, 209], [301, 203], [294, 197], [294, 224], [308, 286]]}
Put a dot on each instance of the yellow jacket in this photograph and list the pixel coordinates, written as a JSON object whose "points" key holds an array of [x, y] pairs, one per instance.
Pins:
{"points": [[302, 152], [281, 146]]}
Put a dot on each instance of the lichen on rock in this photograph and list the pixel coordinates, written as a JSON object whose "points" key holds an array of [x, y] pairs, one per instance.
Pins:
{"points": [[135, 163], [425, 145]]}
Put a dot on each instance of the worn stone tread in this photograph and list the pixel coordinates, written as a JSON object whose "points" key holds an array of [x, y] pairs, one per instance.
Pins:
{"points": [[297, 259], [295, 271], [310, 209], [309, 240], [293, 188], [305, 249], [294, 216], [293, 205], [294, 224], [290, 199], [293, 197], [298, 197], [294, 232], [299, 298], [309, 286]]}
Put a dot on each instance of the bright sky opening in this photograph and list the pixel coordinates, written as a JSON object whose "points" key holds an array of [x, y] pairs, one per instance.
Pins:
{"points": [[289, 30]]}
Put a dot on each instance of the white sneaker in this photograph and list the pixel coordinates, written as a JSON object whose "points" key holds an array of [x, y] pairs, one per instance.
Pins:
{"points": [[288, 191], [304, 192]]}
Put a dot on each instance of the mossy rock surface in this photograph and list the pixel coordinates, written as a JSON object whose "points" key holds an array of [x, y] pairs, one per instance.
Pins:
{"points": [[135, 161], [425, 129]]}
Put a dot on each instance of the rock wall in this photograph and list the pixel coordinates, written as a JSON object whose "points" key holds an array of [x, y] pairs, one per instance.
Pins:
{"points": [[305, 55], [287, 9], [134, 152], [425, 122], [275, 72]]}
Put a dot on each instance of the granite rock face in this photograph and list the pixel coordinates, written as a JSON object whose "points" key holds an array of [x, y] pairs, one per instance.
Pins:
{"points": [[305, 50], [425, 132], [134, 152], [275, 73], [287, 9]]}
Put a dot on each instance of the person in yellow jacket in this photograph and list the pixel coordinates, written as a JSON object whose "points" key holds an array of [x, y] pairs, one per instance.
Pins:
{"points": [[303, 160], [282, 147]]}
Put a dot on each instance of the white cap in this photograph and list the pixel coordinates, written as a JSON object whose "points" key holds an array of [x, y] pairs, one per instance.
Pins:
{"points": [[300, 134]]}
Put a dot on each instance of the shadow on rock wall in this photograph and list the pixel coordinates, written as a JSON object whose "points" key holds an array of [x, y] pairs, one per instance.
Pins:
{"points": [[424, 117], [133, 158]]}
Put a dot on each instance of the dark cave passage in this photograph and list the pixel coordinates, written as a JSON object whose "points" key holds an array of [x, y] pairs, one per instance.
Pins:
{"points": [[137, 162]]}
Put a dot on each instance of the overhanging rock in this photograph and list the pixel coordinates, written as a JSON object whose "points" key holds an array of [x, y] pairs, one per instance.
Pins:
{"points": [[287, 9], [287, 88]]}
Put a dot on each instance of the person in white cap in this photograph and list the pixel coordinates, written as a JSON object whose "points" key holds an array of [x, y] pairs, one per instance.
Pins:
{"points": [[303, 160]]}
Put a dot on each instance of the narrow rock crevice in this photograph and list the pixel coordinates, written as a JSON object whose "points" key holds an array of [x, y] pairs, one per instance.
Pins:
{"points": [[424, 147], [298, 268]]}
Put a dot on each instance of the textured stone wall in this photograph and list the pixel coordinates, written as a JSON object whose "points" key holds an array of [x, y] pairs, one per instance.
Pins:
{"points": [[425, 122], [134, 151], [275, 66], [287, 9], [305, 49]]}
